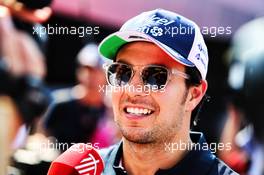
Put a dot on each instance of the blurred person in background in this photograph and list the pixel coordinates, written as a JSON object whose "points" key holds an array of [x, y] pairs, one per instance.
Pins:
{"points": [[244, 126], [83, 116], [23, 97]]}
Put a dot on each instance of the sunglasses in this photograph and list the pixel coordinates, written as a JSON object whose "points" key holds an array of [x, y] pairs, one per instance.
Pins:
{"points": [[153, 76]]}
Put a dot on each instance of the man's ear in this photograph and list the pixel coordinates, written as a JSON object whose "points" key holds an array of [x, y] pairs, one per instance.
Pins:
{"points": [[195, 95]]}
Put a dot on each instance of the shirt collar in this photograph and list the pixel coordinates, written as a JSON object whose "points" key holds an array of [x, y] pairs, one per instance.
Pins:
{"points": [[196, 161], [117, 164]]}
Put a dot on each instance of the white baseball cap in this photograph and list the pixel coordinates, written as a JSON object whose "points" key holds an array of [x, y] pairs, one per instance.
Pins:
{"points": [[178, 36]]}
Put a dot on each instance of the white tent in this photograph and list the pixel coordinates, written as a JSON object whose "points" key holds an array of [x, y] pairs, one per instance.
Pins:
{"points": [[208, 13]]}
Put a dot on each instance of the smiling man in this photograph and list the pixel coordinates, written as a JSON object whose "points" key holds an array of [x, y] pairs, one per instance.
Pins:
{"points": [[165, 53]]}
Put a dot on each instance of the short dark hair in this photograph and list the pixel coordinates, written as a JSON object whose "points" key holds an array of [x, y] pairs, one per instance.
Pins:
{"points": [[195, 80], [195, 77]]}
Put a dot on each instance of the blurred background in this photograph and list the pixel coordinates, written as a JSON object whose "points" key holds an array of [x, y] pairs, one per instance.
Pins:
{"points": [[48, 89]]}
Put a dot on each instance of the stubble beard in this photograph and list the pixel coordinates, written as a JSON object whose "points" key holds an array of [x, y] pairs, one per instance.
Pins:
{"points": [[158, 134]]}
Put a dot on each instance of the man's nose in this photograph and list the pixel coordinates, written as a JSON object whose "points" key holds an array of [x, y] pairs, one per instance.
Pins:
{"points": [[136, 86]]}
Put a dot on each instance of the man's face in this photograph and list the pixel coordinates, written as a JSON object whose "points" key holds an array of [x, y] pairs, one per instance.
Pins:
{"points": [[168, 107], [92, 79]]}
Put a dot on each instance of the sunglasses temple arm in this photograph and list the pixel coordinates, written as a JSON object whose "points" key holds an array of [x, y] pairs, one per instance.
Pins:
{"points": [[182, 74]]}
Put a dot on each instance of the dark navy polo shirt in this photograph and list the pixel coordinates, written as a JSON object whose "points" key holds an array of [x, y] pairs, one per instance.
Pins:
{"points": [[195, 162]]}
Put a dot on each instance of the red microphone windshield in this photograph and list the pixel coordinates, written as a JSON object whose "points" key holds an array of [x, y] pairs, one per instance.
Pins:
{"points": [[79, 159]]}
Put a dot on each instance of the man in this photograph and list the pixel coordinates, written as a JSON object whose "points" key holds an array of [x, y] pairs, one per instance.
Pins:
{"points": [[82, 114], [23, 98], [165, 54], [244, 123]]}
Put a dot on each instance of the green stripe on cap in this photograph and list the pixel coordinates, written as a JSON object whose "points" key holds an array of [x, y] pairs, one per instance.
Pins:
{"points": [[110, 46]]}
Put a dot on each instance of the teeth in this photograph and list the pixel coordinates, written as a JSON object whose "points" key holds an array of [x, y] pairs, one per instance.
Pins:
{"points": [[138, 111]]}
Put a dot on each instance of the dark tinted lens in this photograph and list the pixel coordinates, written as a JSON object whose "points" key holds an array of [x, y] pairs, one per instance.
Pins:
{"points": [[119, 74], [155, 77]]}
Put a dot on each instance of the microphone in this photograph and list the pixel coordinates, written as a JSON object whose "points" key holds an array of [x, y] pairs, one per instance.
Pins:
{"points": [[79, 159]]}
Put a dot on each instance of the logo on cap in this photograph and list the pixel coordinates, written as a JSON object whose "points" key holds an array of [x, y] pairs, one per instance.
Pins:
{"points": [[156, 31]]}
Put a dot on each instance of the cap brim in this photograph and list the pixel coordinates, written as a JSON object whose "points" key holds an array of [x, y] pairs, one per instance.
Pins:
{"points": [[109, 47]]}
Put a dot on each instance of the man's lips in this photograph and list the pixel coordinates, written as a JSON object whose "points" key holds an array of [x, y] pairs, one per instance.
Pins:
{"points": [[139, 111]]}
